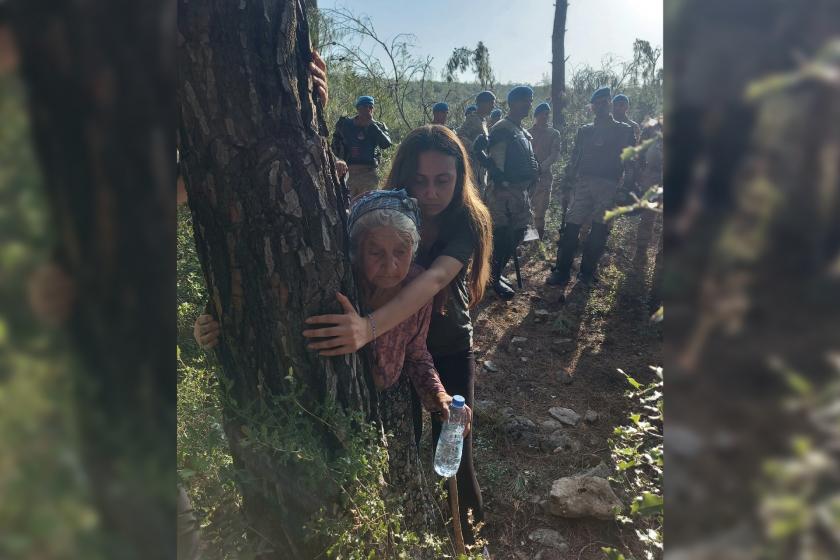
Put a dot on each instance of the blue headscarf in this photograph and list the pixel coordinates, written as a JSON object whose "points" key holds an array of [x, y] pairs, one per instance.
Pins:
{"points": [[383, 200]]}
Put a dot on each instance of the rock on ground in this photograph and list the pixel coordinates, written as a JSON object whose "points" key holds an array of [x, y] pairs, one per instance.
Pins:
{"points": [[548, 537], [490, 366], [552, 553], [601, 470], [559, 441], [565, 415], [583, 496], [550, 425]]}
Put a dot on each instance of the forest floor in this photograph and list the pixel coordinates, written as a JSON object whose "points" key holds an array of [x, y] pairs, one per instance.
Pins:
{"points": [[570, 359]]}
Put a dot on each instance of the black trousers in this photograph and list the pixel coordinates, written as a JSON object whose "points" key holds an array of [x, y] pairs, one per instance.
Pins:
{"points": [[457, 373]]}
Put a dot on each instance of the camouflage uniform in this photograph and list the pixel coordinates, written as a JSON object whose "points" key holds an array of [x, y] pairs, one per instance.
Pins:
{"points": [[596, 169], [474, 125], [547, 146], [508, 194], [594, 172]]}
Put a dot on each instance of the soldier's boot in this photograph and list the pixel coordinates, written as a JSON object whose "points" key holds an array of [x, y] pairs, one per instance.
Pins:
{"points": [[502, 241], [566, 248], [596, 242]]}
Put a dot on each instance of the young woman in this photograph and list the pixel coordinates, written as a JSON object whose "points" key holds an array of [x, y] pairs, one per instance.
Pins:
{"points": [[455, 246]]}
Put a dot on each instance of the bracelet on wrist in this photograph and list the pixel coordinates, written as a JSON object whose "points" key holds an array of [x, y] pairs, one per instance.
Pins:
{"points": [[372, 329]]}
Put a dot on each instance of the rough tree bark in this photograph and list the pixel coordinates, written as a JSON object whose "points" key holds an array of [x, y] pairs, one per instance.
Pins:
{"points": [[558, 63], [269, 219], [101, 115]]}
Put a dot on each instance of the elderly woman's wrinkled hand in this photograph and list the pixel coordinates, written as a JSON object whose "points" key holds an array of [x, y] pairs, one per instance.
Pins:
{"points": [[443, 402], [348, 332], [442, 405]]}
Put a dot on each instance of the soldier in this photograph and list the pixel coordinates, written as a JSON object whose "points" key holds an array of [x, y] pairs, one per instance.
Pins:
{"points": [[591, 181], [440, 111], [547, 146], [475, 124], [512, 170], [495, 116], [620, 105], [357, 141]]}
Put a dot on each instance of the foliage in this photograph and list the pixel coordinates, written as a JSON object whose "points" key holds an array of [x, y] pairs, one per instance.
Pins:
{"points": [[45, 511], [352, 41], [637, 451], [800, 494], [477, 60]]}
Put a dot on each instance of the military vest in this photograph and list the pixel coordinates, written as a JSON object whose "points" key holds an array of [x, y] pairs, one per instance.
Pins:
{"points": [[520, 164]]}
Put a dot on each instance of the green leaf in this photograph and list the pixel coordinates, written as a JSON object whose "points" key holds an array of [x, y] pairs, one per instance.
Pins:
{"points": [[630, 380], [612, 554], [647, 504]]}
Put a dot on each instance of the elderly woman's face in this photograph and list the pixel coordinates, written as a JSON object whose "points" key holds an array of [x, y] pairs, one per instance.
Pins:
{"points": [[386, 257], [434, 182]]}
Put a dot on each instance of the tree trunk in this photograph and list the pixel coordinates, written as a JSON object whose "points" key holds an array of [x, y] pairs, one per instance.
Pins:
{"points": [[270, 228], [102, 117], [558, 63]]}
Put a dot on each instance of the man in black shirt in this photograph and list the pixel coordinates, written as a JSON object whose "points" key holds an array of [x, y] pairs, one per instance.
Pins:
{"points": [[358, 141]]}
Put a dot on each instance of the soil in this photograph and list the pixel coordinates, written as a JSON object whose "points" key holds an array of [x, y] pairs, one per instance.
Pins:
{"points": [[573, 353]]}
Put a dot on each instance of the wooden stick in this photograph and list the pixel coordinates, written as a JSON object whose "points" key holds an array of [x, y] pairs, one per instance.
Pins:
{"points": [[456, 516]]}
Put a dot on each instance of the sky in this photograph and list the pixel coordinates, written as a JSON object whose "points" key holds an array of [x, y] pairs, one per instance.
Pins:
{"points": [[516, 32]]}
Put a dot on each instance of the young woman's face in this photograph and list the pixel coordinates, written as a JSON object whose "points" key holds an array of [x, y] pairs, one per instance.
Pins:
{"points": [[434, 183], [385, 257]]}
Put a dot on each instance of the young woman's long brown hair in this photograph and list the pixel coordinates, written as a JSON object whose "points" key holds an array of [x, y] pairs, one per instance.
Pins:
{"points": [[466, 203]]}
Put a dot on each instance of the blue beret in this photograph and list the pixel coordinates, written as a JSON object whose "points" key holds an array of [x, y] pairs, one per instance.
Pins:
{"points": [[496, 113], [621, 97], [603, 91], [470, 109], [485, 96], [440, 107], [519, 92], [364, 100], [542, 108]]}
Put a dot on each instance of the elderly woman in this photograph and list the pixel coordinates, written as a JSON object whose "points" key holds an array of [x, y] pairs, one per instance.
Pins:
{"points": [[384, 237]]}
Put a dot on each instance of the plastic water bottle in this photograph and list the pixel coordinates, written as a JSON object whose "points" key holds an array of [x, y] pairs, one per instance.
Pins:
{"points": [[451, 442]]}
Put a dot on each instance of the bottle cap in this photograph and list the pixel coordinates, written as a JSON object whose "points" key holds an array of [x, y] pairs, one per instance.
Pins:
{"points": [[457, 401]]}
